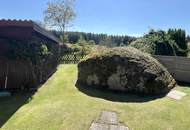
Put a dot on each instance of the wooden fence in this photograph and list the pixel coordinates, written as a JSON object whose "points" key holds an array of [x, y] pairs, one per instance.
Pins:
{"points": [[18, 73], [71, 58], [179, 67]]}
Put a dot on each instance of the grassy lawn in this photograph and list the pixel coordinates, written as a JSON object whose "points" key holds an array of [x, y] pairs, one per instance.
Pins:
{"points": [[59, 105]]}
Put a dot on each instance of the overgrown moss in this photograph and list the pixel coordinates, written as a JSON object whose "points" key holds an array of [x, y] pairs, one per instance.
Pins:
{"points": [[125, 69]]}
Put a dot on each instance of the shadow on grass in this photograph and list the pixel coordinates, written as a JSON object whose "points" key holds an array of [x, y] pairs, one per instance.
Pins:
{"points": [[183, 84], [116, 96], [9, 105]]}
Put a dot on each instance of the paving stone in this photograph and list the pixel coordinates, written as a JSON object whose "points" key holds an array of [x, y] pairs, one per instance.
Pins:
{"points": [[99, 126], [177, 95], [109, 118], [118, 127], [108, 121]]}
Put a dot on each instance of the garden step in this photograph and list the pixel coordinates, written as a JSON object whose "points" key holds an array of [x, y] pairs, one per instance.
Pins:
{"points": [[99, 126], [177, 95], [108, 117], [108, 121]]}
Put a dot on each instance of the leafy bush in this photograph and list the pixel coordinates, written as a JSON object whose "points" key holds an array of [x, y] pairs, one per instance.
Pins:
{"points": [[144, 44], [179, 36], [162, 43], [82, 47], [24, 50]]}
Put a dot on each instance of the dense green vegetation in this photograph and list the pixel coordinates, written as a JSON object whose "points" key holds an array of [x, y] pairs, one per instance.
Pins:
{"points": [[179, 37], [59, 105], [171, 42], [82, 47], [30, 51]]}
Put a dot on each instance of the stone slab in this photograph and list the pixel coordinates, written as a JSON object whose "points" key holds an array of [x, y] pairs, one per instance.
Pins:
{"points": [[108, 121], [118, 127], [108, 118], [177, 95], [99, 126]]}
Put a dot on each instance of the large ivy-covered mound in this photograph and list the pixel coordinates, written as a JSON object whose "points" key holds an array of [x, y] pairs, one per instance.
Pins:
{"points": [[125, 69]]}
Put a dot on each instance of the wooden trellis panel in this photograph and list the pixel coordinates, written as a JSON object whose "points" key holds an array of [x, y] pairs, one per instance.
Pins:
{"points": [[71, 58]]}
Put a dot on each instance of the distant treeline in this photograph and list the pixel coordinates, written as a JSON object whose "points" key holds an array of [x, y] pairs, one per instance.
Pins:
{"points": [[99, 39]]}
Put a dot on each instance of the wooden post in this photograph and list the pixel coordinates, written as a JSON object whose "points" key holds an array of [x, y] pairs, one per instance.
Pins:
{"points": [[75, 59], [6, 77]]}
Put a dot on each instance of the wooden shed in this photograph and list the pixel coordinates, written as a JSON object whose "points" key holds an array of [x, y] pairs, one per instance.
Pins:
{"points": [[28, 54]]}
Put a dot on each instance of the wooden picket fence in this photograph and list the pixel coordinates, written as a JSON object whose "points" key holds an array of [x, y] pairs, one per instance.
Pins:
{"points": [[71, 58]]}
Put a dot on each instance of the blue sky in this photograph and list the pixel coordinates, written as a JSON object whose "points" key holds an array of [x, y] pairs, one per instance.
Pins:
{"points": [[130, 17]]}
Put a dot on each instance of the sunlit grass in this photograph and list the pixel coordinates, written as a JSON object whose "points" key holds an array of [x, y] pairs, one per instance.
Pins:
{"points": [[59, 105]]}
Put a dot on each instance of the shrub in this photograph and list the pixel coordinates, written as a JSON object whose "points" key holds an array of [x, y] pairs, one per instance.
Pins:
{"points": [[179, 36], [25, 50], [173, 42], [156, 43], [82, 47]]}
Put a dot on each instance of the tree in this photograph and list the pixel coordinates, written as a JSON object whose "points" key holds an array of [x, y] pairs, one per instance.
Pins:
{"points": [[59, 14], [179, 36]]}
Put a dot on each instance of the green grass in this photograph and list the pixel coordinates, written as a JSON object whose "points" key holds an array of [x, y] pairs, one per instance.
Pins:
{"points": [[59, 105]]}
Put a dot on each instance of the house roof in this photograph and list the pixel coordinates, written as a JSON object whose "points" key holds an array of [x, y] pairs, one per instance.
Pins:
{"points": [[23, 29]]}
